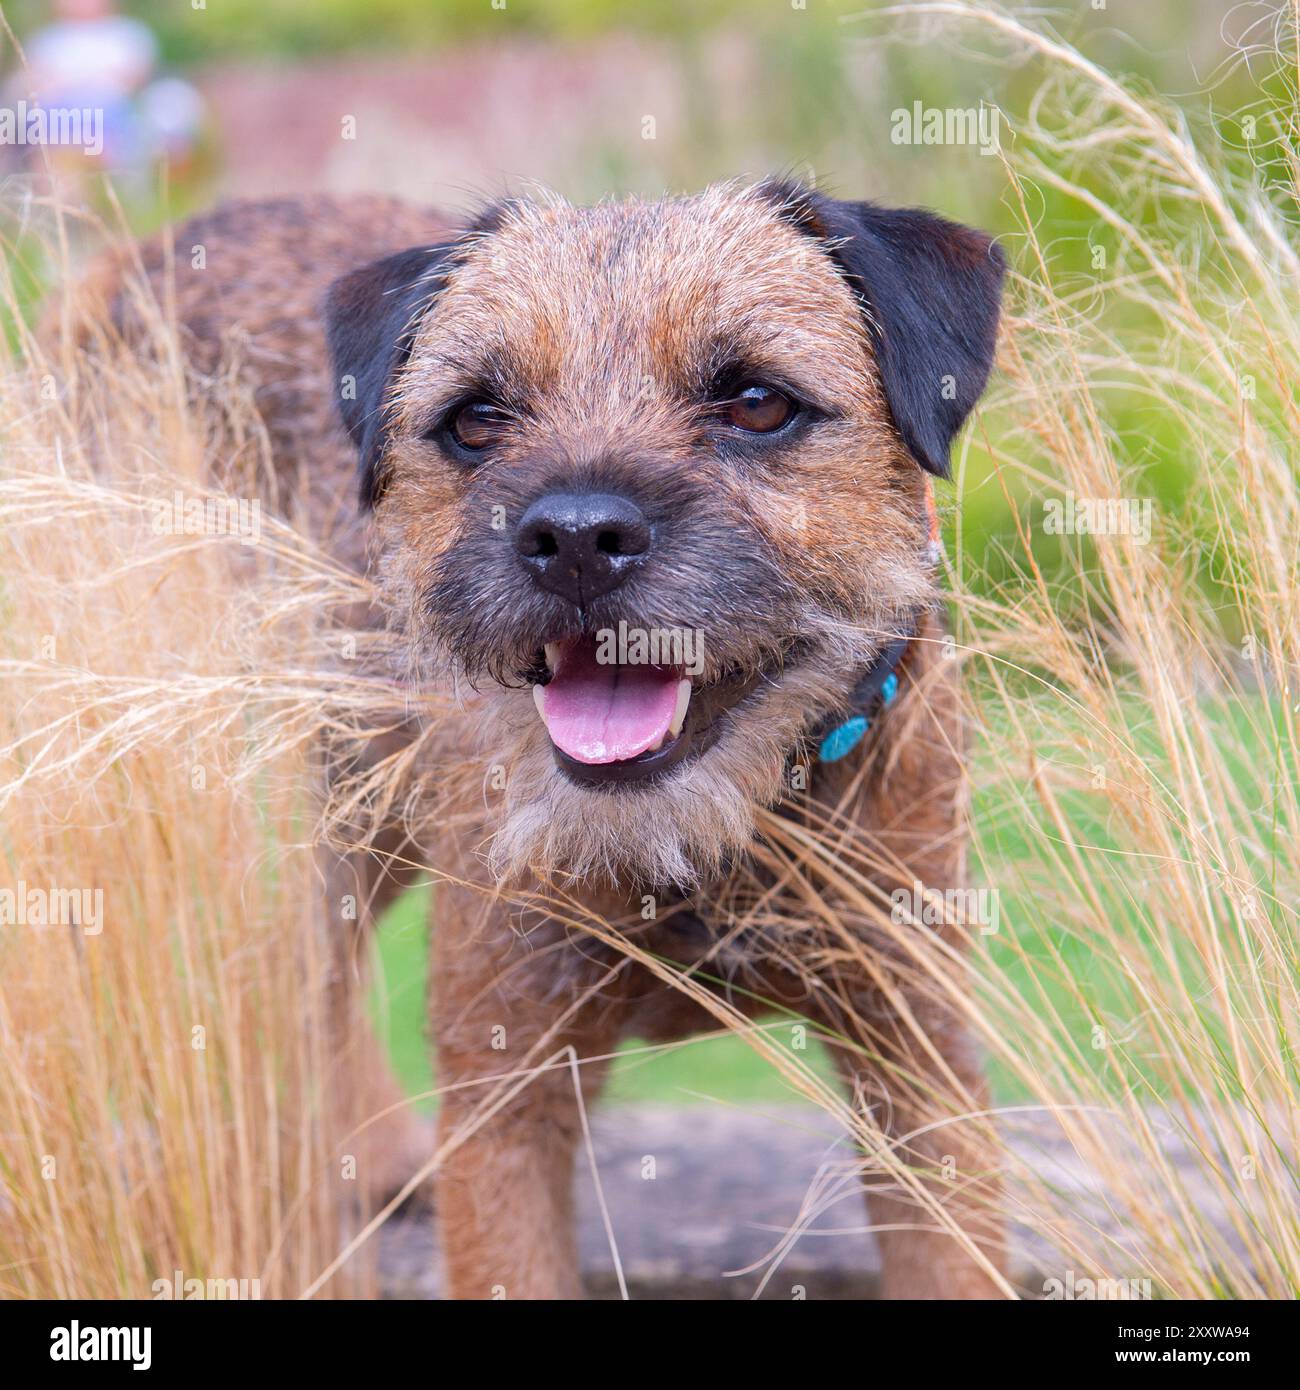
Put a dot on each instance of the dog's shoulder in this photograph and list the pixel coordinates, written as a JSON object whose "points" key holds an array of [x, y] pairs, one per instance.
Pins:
{"points": [[259, 267]]}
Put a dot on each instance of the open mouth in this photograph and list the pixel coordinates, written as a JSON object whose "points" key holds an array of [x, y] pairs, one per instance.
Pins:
{"points": [[612, 723]]}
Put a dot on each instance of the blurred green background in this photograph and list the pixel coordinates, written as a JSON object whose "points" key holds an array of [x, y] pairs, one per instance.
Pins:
{"points": [[457, 101]]}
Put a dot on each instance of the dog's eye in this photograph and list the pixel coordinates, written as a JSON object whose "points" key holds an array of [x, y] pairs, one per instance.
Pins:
{"points": [[758, 409], [476, 424]]}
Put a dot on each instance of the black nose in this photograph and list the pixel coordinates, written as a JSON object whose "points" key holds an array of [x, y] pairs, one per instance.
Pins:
{"points": [[581, 545]]}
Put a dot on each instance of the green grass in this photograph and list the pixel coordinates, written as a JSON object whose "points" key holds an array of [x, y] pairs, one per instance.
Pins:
{"points": [[705, 1068], [398, 994], [1054, 967]]}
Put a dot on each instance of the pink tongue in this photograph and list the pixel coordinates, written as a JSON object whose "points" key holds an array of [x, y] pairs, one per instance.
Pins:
{"points": [[606, 714]]}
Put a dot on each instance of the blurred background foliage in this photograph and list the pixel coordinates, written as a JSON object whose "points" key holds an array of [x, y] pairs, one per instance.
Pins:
{"points": [[458, 100], [455, 101]]}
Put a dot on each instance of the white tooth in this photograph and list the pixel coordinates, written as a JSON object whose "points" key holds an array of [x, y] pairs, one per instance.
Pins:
{"points": [[679, 714], [552, 655], [538, 697]]}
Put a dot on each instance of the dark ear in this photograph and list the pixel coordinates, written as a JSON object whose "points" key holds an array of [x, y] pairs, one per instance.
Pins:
{"points": [[371, 316], [931, 291]]}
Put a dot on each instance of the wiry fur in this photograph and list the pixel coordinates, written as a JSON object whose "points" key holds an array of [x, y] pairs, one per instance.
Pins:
{"points": [[604, 332], [679, 290], [678, 832]]}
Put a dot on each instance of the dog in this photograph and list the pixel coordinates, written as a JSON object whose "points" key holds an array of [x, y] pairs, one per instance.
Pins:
{"points": [[646, 486]]}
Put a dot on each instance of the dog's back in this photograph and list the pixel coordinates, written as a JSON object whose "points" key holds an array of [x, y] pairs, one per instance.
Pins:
{"points": [[245, 285]]}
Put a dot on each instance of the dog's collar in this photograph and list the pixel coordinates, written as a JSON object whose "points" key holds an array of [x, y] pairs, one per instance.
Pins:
{"points": [[840, 733]]}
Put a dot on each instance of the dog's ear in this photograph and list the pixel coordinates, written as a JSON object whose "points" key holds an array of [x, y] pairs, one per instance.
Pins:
{"points": [[931, 291], [371, 316]]}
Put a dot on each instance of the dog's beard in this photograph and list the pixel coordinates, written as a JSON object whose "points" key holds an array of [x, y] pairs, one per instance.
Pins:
{"points": [[679, 830]]}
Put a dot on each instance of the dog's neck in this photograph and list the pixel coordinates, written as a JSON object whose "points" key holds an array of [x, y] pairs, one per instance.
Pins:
{"points": [[840, 731], [834, 736]]}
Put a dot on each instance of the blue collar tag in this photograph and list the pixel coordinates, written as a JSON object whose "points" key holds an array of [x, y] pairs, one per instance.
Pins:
{"points": [[843, 739], [876, 689]]}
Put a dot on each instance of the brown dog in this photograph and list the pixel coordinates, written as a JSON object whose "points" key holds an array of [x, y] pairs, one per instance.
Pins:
{"points": [[646, 486]]}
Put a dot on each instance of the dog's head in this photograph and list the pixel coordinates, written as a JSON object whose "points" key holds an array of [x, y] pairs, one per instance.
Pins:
{"points": [[649, 477]]}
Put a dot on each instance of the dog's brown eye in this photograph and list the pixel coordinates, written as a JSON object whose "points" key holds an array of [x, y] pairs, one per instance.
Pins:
{"points": [[759, 409], [476, 425]]}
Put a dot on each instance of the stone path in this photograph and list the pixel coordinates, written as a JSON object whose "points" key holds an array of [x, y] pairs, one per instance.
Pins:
{"points": [[726, 1186]]}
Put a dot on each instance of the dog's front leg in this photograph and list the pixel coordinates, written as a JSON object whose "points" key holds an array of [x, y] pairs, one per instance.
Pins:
{"points": [[919, 1099], [505, 1206], [918, 1069], [375, 1124], [503, 1007]]}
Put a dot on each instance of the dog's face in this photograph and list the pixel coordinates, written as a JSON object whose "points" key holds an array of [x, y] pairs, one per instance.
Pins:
{"points": [[648, 477]]}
